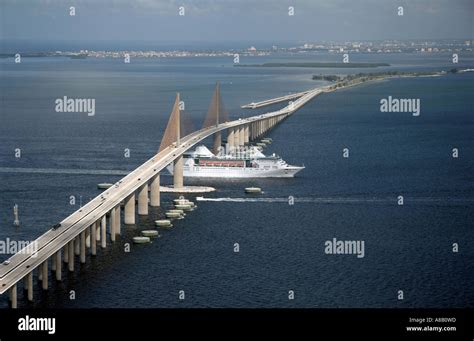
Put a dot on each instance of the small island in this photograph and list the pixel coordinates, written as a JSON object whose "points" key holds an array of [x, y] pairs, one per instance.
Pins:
{"points": [[359, 78], [316, 65]]}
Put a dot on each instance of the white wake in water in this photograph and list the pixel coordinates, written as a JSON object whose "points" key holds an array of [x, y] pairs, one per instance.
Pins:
{"points": [[343, 200]]}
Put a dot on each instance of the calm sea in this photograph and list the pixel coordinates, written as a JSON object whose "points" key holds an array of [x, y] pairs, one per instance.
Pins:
{"points": [[407, 247]]}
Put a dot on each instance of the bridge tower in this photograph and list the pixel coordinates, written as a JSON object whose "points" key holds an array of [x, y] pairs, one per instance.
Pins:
{"points": [[172, 137], [216, 115]]}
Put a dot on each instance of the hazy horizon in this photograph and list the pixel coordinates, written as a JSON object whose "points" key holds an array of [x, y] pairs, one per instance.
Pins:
{"points": [[235, 21]]}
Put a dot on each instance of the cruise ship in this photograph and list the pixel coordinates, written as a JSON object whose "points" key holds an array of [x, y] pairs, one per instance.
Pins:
{"points": [[202, 163]]}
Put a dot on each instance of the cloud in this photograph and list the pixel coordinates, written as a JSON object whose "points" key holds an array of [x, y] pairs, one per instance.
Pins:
{"points": [[236, 19]]}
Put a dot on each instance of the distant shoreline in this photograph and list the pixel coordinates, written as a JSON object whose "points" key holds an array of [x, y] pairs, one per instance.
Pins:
{"points": [[316, 65]]}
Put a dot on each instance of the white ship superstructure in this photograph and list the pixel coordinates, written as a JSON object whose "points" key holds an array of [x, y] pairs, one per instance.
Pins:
{"points": [[201, 162]]}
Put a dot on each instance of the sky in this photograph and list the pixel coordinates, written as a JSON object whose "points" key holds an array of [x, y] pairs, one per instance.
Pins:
{"points": [[235, 20]]}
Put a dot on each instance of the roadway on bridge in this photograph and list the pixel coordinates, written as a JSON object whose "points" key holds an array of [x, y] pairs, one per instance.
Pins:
{"points": [[52, 241]]}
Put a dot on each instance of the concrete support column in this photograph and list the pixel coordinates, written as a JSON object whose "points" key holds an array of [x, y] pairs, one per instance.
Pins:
{"points": [[58, 265], [242, 135], [44, 269], [246, 134], [118, 221], [236, 137], [83, 246], [97, 230], [29, 285], [143, 200], [230, 137], [66, 253], [129, 210], [53, 263], [40, 272], [88, 237], [178, 172], [217, 142], [94, 239], [103, 232], [77, 246], [112, 224], [13, 297], [71, 256], [155, 191]]}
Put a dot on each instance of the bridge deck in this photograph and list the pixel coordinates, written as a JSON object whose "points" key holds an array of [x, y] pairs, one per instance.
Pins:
{"points": [[52, 241], [255, 105]]}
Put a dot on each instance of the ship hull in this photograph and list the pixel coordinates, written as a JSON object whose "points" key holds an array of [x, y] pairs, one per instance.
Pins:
{"points": [[234, 172]]}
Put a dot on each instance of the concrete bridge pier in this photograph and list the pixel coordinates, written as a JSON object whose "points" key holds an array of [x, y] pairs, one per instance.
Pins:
{"points": [[66, 253], [143, 200], [94, 239], [53, 263], [98, 234], [13, 297], [217, 142], [230, 138], [178, 172], [40, 272], [236, 137], [70, 262], [29, 286], [44, 269], [83, 246], [103, 232], [155, 191], [129, 210], [77, 246], [246, 134], [88, 237], [58, 265], [242, 135], [112, 218], [118, 221]]}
